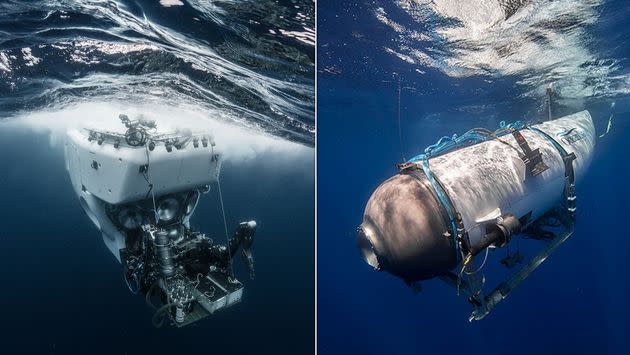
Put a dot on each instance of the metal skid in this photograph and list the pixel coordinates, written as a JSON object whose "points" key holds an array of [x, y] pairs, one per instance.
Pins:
{"points": [[472, 287]]}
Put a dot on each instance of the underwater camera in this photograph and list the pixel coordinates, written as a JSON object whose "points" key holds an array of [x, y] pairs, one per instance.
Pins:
{"points": [[140, 187]]}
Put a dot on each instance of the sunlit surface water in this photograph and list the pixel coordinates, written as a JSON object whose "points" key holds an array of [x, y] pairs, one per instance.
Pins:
{"points": [[249, 62], [464, 65], [242, 69]]}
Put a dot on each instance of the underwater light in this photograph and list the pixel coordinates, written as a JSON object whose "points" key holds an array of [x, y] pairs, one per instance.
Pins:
{"points": [[129, 218], [167, 209]]}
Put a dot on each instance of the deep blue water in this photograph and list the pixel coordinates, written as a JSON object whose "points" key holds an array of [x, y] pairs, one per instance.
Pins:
{"points": [[576, 302], [63, 292], [247, 67]]}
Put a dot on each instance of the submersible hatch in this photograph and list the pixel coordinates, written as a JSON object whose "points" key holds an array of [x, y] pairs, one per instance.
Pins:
{"points": [[468, 194], [140, 187]]}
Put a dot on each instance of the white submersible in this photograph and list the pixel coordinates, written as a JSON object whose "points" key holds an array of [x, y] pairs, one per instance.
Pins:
{"points": [[140, 186], [443, 208]]}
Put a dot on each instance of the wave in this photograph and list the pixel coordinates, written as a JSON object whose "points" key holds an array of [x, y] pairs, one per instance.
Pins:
{"points": [[538, 42], [252, 61]]}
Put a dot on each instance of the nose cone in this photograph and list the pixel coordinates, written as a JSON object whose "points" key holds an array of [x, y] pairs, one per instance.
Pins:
{"points": [[403, 230]]}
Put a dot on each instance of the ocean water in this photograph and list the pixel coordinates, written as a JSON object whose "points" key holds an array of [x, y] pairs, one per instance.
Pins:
{"points": [[242, 69], [461, 68], [248, 62]]}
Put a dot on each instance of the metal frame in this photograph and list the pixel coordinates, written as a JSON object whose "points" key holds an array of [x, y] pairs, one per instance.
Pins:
{"points": [[483, 303]]}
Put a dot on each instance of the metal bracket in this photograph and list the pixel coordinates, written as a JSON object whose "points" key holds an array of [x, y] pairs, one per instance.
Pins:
{"points": [[532, 158], [482, 303]]}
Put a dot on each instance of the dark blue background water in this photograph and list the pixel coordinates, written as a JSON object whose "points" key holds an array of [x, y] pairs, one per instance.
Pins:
{"points": [[63, 291], [576, 302], [245, 63]]}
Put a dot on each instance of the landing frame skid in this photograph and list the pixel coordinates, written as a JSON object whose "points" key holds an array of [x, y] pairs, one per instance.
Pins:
{"points": [[483, 303]]}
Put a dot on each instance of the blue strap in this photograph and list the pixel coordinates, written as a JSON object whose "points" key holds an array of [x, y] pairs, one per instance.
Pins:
{"points": [[473, 136], [445, 201], [569, 172], [557, 145], [444, 145]]}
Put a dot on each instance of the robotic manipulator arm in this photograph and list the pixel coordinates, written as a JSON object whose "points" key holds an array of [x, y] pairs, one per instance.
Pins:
{"points": [[191, 271]]}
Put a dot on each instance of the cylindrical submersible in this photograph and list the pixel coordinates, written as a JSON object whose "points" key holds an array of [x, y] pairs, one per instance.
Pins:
{"points": [[495, 188]]}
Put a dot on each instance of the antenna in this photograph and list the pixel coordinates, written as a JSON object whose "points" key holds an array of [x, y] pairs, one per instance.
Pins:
{"points": [[549, 92], [399, 89], [402, 156]]}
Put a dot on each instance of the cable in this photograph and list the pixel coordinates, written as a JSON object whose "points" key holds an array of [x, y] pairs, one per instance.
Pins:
{"points": [[147, 297], [402, 155], [133, 290], [470, 137], [608, 127], [465, 263], [227, 237], [549, 107], [485, 258], [158, 317], [148, 178], [196, 283]]}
